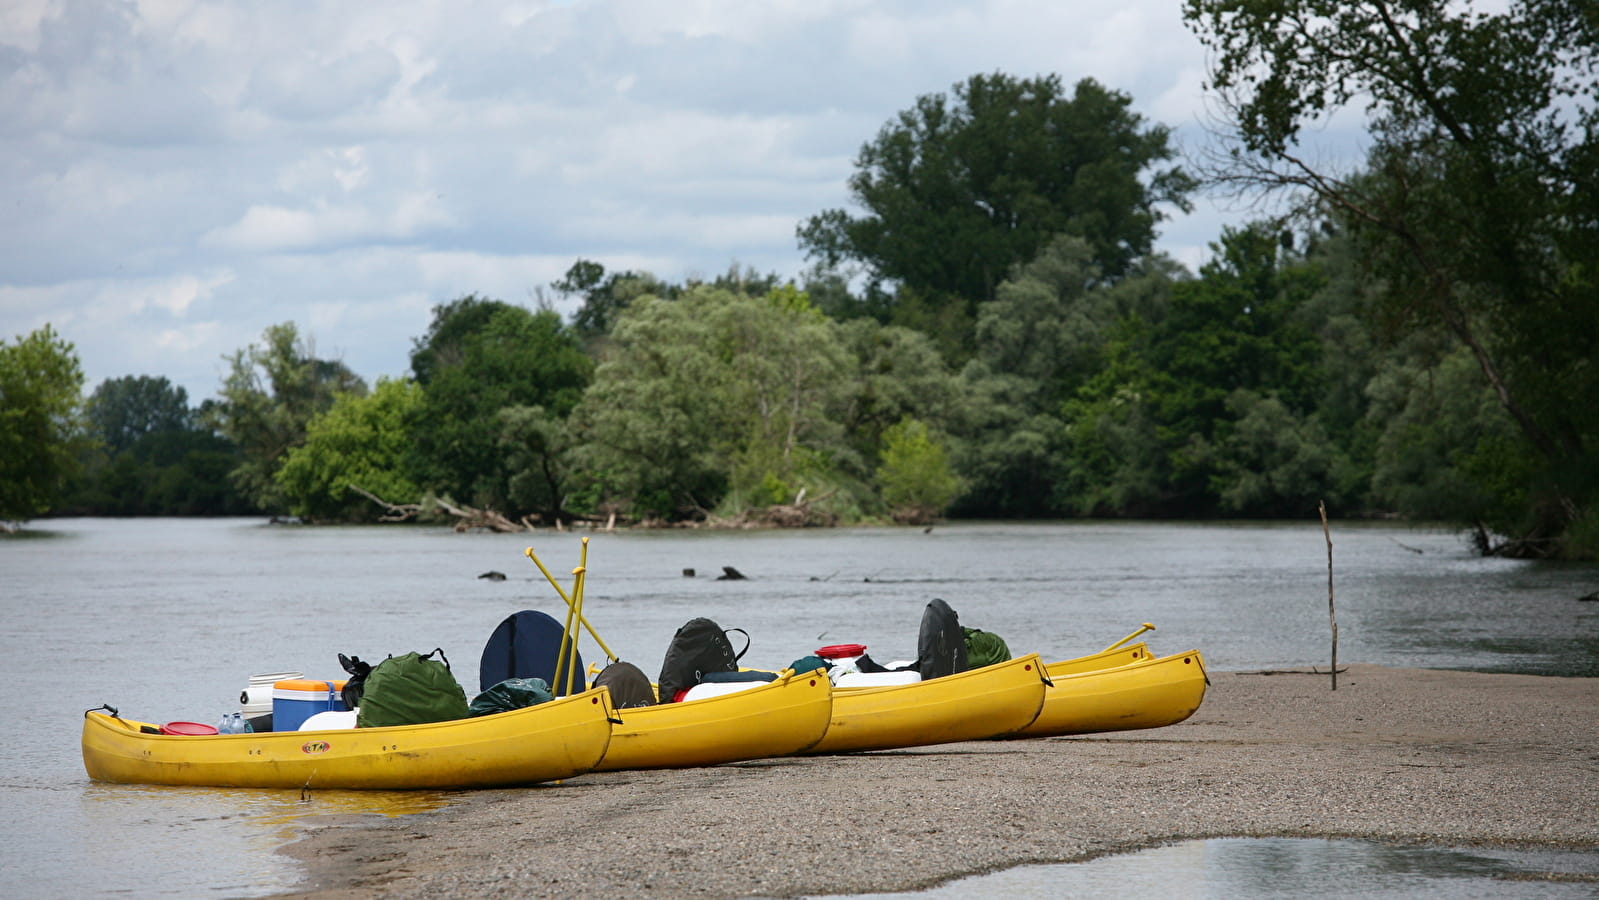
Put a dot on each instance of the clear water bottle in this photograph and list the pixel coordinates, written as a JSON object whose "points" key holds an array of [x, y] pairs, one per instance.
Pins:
{"points": [[226, 725], [241, 725]]}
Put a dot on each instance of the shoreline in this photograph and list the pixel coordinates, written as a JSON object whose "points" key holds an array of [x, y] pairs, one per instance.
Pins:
{"points": [[1416, 756]]}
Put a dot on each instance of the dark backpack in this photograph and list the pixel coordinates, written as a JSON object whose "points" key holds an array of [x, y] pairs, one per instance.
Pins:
{"points": [[411, 690], [630, 687], [941, 646], [699, 647]]}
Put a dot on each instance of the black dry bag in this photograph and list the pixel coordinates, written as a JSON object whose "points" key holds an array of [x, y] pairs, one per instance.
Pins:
{"points": [[941, 646], [630, 687]]}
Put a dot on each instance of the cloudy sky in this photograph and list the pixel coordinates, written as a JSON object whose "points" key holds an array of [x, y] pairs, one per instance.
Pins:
{"points": [[177, 175]]}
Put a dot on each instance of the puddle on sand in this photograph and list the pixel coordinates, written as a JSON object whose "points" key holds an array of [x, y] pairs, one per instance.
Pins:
{"points": [[1270, 868]]}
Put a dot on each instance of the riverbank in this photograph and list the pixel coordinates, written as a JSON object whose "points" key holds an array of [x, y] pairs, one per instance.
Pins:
{"points": [[1409, 755]]}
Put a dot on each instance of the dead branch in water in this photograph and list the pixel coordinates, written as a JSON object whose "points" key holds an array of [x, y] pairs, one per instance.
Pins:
{"points": [[467, 518]]}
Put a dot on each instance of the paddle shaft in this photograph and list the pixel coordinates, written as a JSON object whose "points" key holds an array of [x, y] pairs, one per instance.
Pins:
{"points": [[568, 601], [1147, 626], [565, 661]]}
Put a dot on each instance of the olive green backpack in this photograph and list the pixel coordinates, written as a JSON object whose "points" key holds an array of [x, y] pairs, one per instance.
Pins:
{"points": [[984, 648], [413, 689]]}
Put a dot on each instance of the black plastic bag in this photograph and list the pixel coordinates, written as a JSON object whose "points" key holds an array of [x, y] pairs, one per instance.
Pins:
{"points": [[512, 693], [356, 683]]}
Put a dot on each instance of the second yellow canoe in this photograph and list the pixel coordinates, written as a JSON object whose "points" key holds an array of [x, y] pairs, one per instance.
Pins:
{"points": [[967, 706], [778, 718]]}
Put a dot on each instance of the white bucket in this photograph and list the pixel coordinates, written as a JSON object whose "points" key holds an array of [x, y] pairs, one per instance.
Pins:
{"points": [[256, 700], [718, 688], [875, 679], [327, 721]]}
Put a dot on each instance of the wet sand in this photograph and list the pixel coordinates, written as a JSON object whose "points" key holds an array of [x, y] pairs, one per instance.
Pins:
{"points": [[1408, 755]]}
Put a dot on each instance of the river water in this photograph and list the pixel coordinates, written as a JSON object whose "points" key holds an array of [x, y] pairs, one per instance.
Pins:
{"points": [[167, 619]]}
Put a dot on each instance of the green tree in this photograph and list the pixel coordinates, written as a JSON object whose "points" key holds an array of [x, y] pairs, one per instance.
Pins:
{"points": [[898, 374], [359, 441], [717, 392], [915, 475], [604, 296], [41, 433], [123, 410], [268, 397], [538, 449], [1038, 343], [149, 459], [479, 357], [1478, 208], [1180, 418], [958, 190]]}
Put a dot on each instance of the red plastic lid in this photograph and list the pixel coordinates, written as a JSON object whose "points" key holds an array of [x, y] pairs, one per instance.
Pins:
{"points": [[188, 728], [841, 650]]}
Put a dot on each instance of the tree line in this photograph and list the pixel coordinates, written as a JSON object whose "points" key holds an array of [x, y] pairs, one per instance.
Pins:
{"points": [[992, 334]]}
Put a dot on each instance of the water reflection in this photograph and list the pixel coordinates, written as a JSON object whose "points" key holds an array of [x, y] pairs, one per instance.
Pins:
{"points": [[183, 841], [1269, 868], [269, 807]]}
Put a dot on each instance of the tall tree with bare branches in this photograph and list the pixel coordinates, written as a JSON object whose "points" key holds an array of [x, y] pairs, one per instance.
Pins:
{"points": [[1477, 204]]}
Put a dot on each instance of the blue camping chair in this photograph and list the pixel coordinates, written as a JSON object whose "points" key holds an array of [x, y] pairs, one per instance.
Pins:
{"points": [[526, 645]]}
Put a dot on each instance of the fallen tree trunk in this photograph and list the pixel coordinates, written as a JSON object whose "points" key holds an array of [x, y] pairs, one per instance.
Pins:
{"points": [[467, 518]]}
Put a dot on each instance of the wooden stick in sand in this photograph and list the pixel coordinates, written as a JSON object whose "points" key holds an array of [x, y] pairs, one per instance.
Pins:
{"points": [[1332, 618]]}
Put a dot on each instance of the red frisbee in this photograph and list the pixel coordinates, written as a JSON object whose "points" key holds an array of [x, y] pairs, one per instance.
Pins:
{"points": [[188, 728]]}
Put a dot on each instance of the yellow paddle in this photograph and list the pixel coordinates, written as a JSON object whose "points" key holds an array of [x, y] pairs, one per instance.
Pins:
{"points": [[565, 661], [579, 577], [568, 600], [561, 663], [1147, 626]]}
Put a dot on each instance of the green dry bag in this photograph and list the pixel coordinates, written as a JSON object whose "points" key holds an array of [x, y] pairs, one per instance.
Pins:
{"points": [[413, 689], [984, 648]]}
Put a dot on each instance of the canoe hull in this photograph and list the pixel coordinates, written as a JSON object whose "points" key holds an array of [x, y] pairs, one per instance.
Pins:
{"points": [[781, 718], [968, 706], [547, 742], [1150, 693]]}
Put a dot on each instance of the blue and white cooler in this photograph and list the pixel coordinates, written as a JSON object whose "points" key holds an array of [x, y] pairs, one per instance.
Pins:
{"points": [[297, 699]]}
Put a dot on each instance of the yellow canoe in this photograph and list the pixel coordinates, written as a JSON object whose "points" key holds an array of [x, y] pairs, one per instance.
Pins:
{"points": [[1148, 693], [550, 741], [779, 718], [967, 706], [1104, 659]]}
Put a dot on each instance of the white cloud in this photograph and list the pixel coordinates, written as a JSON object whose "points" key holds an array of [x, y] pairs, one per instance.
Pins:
{"points": [[190, 337], [176, 295], [179, 174], [269, 228]]}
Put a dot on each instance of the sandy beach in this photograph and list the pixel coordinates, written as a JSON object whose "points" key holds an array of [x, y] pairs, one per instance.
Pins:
{"points": [[1410, 755]]}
